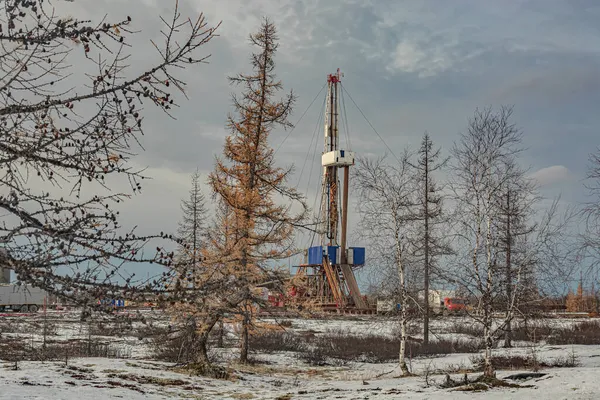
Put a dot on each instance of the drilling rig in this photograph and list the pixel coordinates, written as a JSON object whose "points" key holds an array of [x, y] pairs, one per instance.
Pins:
{"points": [[328, 269]]}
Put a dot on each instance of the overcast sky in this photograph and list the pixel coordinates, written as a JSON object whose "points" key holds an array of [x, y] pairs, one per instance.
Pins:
{"points": [[412, 66]]}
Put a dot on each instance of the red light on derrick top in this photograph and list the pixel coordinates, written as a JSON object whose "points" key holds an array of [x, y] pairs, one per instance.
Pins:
{"points": [[335, 78]]}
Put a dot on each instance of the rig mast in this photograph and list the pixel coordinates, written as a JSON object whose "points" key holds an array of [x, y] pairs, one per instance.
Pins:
{"points": [[329, 267]]}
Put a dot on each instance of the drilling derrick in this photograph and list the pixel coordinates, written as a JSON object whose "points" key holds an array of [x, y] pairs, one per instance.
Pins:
{"points": [[329, 205], [329, 268]]}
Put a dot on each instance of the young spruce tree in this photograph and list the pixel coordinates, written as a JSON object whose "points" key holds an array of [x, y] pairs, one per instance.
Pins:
{"points": [[248, 181], [192, 227], [189, 280], [429, 245]]}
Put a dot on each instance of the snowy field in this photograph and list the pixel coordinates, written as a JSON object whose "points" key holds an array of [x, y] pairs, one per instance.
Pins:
{"points": [[131, 373]]}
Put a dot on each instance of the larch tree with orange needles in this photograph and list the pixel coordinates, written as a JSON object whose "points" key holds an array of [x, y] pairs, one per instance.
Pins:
{"points": [[248, 181]]}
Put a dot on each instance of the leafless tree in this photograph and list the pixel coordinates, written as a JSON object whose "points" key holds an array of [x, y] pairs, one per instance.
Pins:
{"points": [[589, 238], [429, 244], [62, 140], [485, 163], [387, 209], [480, 157], [514, 225]]}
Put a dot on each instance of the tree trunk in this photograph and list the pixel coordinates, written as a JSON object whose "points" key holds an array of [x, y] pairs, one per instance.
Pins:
{"points": [[402, 355], [508, 336], [488, 369], [426, 253], [202, 353], [220, 335], [244, 345], [509, 294], [246, 291], [202, 340], [403, 310], [402, 358]]}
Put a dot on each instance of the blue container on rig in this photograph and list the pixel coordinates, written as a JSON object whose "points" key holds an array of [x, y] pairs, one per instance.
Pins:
{"points": [[356, 255], [112, 302], [332, 253], [315, 255]]}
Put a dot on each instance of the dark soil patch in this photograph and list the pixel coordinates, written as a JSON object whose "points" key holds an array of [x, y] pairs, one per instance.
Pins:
{"points": [[29, 383], [209, 371], [525, 376], [479, 384], [142, 379], [130, 386]]}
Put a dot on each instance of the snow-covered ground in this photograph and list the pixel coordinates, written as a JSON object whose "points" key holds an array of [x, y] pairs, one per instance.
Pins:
{"points": [[94, 378], [283, 375]]}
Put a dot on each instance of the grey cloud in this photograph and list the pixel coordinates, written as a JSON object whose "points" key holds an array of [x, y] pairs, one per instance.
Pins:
{"points": [[551, 84], [465, 54], [550, 175]]}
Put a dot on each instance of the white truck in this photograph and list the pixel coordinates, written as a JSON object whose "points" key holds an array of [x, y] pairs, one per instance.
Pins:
{"points": [[21, 298]]}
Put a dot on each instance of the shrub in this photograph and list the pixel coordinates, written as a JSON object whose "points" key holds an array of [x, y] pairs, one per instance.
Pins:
{"points": [[531, 332], [375, 349], [14, 349], [526, 362], [8, 326], [570, 360], [273, 341], [465, 328], [509, 362], [449, 346], [86, 348], [587, 332], [118, 328], [174, 346], [339, 348], [18, 350]]}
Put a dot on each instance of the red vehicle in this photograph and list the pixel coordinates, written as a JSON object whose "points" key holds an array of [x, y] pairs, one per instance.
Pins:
{"points": [[275, 300], [454, 305]]}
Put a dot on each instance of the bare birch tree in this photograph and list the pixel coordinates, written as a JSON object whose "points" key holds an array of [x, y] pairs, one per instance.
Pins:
{"points": [[481, 157], [387, 209], [485, 163], [61, 141]]}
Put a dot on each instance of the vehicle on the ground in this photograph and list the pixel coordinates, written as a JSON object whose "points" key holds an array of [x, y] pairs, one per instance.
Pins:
{"points": [[454, 305], [114, 303], [386, 306], [22, 298]]}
